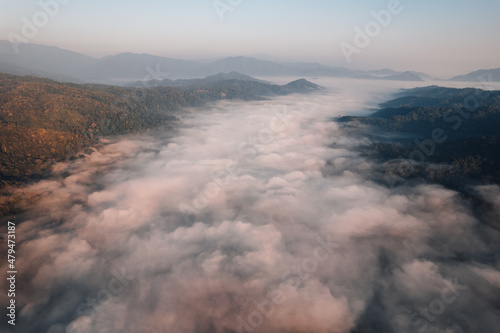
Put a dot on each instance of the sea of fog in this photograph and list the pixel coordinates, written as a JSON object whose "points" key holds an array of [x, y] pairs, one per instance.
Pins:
{"points": [[253, 217]]}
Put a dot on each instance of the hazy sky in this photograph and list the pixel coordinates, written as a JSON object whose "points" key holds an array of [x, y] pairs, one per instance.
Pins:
{"points": [[443, 38]]}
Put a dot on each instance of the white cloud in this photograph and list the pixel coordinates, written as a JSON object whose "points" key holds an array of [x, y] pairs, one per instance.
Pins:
{"points": [[254, 232]]}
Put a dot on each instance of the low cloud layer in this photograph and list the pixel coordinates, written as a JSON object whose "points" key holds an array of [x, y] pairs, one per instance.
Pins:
{"points": [[255, 216]]}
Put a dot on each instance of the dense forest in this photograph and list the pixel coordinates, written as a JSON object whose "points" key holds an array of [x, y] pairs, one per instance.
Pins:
{"points": [[43, 121], [444, 135]]}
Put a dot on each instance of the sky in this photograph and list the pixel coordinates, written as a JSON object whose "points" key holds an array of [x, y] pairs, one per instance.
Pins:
{"points": [[443, 38]]}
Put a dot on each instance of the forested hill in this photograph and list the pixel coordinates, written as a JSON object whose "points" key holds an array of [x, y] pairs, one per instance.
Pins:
{"points": [[449, 135], [43, 121]]}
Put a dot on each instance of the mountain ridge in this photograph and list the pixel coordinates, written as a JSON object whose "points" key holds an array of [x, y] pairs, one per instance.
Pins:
{"points": [[127, 67], [43, 121], [436, 134], [482, 75]]}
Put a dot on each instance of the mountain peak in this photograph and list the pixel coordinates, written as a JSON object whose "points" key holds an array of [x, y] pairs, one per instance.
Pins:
{"points": [[303, 84], [488, 75]]}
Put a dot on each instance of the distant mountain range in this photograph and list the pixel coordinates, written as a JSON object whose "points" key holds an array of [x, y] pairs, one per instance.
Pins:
{"points": [[195, 82], [406, 76], [483, 75], [126, 68]]}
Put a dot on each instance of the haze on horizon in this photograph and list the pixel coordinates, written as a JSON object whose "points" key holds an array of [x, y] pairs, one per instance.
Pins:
{"points": [[442, 39]]}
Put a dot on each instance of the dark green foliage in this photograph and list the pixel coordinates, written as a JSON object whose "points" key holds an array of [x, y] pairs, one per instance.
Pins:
{"points": [[468, 123]]}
